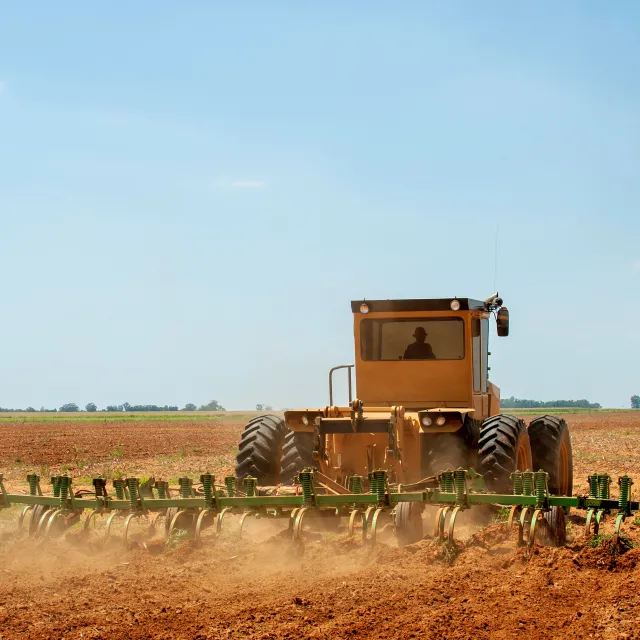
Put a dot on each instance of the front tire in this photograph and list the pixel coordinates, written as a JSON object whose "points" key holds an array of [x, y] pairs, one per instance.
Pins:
{"points": [[260, 449], [297, 454], [503, 448]]}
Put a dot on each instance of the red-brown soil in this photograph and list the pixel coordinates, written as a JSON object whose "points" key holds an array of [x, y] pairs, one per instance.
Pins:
{"points": [[260, 588]]}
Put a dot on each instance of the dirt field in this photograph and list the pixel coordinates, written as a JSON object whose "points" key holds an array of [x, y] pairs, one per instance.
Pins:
{"points": [[259, 588]]}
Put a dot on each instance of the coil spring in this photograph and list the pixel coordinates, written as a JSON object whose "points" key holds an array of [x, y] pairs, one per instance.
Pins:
{"points": [[527, 483], [355, 484], [55, 483], [516, 478], [307, 486], [162, 487], [100, 486], [118, 485], [65, 482], [460, 477], [448, 481], [380, 484], [185, 487], [593, 486], [230, 484], [250, 485], [132, 485], [625, 485], [541, 487], [207, 484], [33, 479], [604, 484]]}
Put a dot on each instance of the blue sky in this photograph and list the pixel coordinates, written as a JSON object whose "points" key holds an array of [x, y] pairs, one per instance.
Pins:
{"points": [[191, 194]]}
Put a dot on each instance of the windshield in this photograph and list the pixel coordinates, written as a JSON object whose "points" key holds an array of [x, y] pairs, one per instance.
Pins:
{"points": [[412, 339]]}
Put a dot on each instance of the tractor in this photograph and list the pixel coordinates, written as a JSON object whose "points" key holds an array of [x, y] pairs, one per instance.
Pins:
{"points": [[424, 404]]}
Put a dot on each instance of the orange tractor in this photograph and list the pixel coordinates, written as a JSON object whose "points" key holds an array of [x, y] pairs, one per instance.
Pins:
{"points": [[423, 404]]}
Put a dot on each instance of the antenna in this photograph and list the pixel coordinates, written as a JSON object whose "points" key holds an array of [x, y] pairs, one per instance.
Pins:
{"points": [[495, 261]]}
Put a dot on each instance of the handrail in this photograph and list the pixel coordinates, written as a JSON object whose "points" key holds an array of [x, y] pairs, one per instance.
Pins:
{"points": [[342, 366]]}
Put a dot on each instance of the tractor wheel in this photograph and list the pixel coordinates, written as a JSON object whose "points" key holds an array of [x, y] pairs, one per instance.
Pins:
{"points": [[503, 448], [408, 523], [297, 454], [445, 451], [551, 450], [260, 449]]}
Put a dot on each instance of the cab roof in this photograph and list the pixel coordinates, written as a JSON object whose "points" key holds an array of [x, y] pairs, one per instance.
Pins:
{"points": [[424, 304]]}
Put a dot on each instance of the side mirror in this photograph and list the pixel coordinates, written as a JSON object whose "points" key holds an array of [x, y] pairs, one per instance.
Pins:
{"points": [[502, 322]]}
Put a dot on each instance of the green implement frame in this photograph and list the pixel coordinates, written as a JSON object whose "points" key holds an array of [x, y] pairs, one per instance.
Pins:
{"points": [[455, 491]]}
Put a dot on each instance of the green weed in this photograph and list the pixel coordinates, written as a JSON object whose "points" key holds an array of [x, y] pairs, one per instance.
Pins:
{"points": [[177, 537]]}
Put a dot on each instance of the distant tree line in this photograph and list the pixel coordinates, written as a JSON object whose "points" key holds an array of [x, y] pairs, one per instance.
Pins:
{"points": [[71, 407], [520, 403]]}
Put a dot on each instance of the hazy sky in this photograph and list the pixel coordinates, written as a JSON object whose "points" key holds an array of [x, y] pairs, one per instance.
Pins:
{"points": [[192, 193]]}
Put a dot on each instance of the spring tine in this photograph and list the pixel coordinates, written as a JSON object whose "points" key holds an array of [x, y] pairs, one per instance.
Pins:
{"points": [[521, 525], [374, 526], [220, 518], [23, 514], [55, 514], [245, 515], [356, 515], [201, 516], [125, 530], [616, 531], [452, 524], [441, 522], [297, 527], [537, 514]]}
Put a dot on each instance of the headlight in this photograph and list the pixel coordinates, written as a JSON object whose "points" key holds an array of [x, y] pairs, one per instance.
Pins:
{"points": [[440, 421], [455, 305], [364, 308], [426, 421], [305, 421]]}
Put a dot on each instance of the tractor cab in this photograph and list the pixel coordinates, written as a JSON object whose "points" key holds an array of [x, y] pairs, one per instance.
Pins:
{"points": [[422, 354]]}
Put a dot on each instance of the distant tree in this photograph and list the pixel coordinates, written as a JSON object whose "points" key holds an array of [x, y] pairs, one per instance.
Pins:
{"points": [[259, 407], [190, 407], [268, 407], [214, 405], [30, 409], [635, 402], [114, 407], [91, 407], [520, 403], [126, 406], [70, 406]]}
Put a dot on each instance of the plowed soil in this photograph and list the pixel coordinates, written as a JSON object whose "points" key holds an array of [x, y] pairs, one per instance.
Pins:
{"points": [[261, 587]]}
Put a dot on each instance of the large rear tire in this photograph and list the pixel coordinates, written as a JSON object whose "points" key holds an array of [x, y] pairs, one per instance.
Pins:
{"points": [[551, 451], [260, 449], [503, 448], [297, 454]]}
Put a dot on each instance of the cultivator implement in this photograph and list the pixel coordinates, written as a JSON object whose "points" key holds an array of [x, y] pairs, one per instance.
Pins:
{"points": [[196, 509]]}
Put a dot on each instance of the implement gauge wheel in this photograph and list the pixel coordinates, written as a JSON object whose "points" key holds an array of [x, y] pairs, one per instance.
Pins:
{"points": [[551, 450], [260, 449], [408, 523], [503, 448], [555, 533], [297, 454]]}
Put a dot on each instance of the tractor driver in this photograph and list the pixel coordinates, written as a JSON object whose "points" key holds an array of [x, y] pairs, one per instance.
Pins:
{"points": [[419, 350]]}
